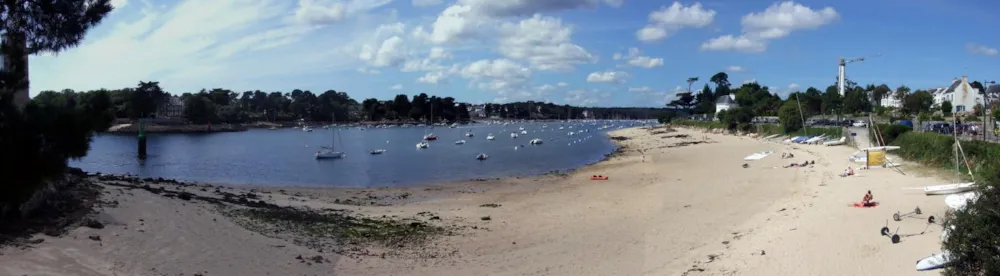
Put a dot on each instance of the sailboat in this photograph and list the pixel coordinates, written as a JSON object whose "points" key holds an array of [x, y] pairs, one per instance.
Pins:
{"points": [[958, 187], [330, 152], [431, 136]]}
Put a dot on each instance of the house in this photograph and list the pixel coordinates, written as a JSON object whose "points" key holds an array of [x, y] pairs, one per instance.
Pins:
{"points": [[961, 95], [890, 101], [725, 102], [173, 108], [993, 94], [476, 110]]}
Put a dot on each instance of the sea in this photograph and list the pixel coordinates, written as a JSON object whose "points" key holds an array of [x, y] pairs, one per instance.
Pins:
{"points": [[286, 157]]}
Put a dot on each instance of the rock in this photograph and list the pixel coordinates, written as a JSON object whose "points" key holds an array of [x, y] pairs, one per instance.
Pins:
{"points": [[93, 223], [95, 237]]}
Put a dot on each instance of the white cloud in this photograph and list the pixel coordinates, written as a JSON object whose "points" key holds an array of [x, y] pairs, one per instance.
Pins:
{"points": [[750, 81], [608, 76], [635, 58], [188, 46], [390, 52], [668, 20], [368, 71], [439, 53], [545, 88], [543, 42], [498, 75], [322, 12], [426, 3], [119, 4], [581, 97], [981, 49], [735, 69], [396, 87], [777, 21], [434, 78], [640, 89], [505, 8]]}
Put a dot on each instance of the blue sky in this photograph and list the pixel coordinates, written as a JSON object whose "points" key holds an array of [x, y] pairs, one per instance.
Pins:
{"points": [[580, 52]]}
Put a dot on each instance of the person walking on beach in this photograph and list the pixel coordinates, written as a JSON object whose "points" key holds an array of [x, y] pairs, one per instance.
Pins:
{"points": [[643, 155]]}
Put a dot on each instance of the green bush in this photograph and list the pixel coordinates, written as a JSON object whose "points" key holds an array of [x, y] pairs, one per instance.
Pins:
{"points": [[889, 132], [789, 117]]}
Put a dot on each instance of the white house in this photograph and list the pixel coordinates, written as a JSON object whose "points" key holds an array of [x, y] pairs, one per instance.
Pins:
{"points": [[890, 100], [961, 95], [725, 102]]}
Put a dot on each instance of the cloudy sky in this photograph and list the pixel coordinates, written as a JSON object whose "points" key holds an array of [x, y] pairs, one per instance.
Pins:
{"points": [[580, 52]]}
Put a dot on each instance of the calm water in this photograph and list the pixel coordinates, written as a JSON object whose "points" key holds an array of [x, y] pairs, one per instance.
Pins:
{"points": [[285, 157]]}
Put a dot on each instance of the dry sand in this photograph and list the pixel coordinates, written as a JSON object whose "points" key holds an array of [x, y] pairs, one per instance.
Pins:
{"points": [[686, 210]]}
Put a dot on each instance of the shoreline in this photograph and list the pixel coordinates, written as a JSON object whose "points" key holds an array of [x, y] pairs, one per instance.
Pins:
{"points": [[661, 214]]}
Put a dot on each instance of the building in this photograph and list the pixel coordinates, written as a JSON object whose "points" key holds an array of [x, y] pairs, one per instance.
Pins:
{"points": [[890, 100], [476, 110], [174, 108], [961, 95], [725, 102], [993, 94]]}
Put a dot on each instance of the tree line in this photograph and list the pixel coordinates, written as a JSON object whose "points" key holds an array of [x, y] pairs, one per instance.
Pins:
{"points": [[219, 105], [754, 100]]}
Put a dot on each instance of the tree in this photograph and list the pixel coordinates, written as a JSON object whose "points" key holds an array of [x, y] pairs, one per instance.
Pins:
{"points": [[736, 118], [972, 240], [37, 138], [51, 26], [901, 93], [946, 108], [706, 101], [832, 101], [880, 92], [685, 101], [199, 109], [721, 81], [919, 101], [789, 116]]}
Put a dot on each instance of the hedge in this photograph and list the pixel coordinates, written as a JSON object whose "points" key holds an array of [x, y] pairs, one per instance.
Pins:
{"points": [[768, 129]]}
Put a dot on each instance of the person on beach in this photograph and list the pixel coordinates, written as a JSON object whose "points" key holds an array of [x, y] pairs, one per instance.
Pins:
{"points": [[848, 172], [643, 155], [867, 199]]}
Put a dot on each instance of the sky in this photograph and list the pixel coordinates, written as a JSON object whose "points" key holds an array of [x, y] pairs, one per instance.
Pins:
{"points": [[578, 52]]}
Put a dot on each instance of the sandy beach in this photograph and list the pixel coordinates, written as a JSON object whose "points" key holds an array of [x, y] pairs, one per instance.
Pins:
{"points": [[683, 206]]}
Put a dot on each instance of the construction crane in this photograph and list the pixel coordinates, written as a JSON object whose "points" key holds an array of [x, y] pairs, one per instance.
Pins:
{"points": [[843, 64]]}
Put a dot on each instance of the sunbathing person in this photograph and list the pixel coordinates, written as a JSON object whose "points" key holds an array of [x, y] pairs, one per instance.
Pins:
{"points": [[867, 199]]}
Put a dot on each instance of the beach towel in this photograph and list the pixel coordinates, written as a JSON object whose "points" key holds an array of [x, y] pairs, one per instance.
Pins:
{"points": [[862, 205]]}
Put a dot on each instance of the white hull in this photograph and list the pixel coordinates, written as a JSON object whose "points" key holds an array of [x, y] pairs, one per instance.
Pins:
{"points": [[422, 145], [948, 189], [843, 140], [329, 155], [459, 142], [935, 261], [758, 155], [536, 141]]}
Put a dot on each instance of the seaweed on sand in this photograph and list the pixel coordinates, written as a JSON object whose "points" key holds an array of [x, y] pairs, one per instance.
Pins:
{"points": [[342, 232]]}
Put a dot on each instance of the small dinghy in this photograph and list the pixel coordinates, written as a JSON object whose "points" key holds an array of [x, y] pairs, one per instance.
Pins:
{"points": [[422, 145], [948, 189], [536, 141], [482, 156], [378, 151], [758, 155], [935, 261], [460, 142]]}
